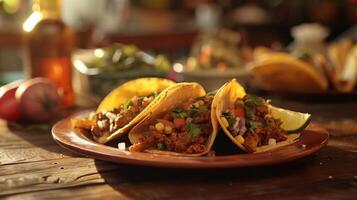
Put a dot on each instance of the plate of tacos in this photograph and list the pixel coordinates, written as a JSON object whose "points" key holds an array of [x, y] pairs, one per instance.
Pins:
{"points": [[156, 122]]}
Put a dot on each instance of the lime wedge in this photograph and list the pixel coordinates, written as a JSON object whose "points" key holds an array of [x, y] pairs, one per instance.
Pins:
{"points": [[292, 121]]}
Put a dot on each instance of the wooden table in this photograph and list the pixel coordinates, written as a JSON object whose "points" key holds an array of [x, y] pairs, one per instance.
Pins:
{"points": [[33, 166]]}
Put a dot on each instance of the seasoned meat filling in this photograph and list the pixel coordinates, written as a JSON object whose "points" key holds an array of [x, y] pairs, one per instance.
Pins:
{"points": [[110, 121], [250, 123], [185, 129]]}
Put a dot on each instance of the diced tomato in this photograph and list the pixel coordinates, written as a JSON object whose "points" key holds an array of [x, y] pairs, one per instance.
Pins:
{"points": [[187, 105], [166, 122], [179, 122], [239, 112]]}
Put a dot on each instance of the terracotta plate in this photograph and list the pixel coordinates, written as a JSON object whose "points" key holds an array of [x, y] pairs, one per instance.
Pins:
{"points": [[312, 139]]}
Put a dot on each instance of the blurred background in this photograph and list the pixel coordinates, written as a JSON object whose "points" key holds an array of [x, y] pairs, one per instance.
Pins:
{"points": [[173, 28], [170, 26]]}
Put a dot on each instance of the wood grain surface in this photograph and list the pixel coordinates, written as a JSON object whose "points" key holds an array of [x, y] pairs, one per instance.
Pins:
{"points": [[33, 166]]}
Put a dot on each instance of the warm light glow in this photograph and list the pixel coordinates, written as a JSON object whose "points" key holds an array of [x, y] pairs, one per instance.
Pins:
{"points": [[80, 66], [99, 53], [31, 21], [10, 6], [178, 67]]}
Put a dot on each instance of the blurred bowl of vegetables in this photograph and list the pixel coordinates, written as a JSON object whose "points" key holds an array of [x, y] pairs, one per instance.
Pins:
{"points": [[98, 71], [216, 58]]}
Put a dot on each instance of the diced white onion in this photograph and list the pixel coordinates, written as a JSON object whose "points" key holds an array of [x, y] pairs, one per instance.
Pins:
{"points": [[236, 124], [101, 124], [272, 141], [121, 146], [111, 116], [243, 130]]}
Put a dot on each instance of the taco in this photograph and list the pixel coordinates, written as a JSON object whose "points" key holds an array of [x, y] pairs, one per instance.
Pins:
{"points": [[282, 72], [343, 69], [182, 125], [123, 108], [252, 123]]}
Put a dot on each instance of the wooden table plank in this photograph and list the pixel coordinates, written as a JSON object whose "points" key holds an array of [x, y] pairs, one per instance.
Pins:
{"points": [[19, 145], [32, 166]]}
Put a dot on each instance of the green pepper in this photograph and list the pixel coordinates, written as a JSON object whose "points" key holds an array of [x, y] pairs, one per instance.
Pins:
{"points": [[128, 103]]}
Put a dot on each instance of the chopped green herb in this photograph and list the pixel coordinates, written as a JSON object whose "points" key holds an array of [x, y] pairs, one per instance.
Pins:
{"points": [[231, 120], [178, 113], [249, 111], [192, 112], [128, 103], [254, 125], [193, 130], [160, 146], [252, 99], [202, 108], [177, 110]]}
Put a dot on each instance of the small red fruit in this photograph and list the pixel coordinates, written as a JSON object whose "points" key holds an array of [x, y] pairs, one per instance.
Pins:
{"points": [[9, 106], [39, 100]]}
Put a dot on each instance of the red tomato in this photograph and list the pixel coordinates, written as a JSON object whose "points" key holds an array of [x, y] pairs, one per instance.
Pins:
{"points": [[179, 122], [239, 112], [10, 107], [187, 104]]}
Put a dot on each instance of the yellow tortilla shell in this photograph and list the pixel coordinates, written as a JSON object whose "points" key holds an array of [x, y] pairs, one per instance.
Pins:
{"points": [[283, 73], [171, 98], [137, 87]]}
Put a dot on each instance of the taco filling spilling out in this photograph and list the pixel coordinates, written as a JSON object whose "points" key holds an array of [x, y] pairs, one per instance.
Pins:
{"points": [[105, 123], [249, 122], [184, 129]]}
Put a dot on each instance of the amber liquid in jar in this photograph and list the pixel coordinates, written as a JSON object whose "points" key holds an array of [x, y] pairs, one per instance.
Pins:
{"points": [[48, 47]]}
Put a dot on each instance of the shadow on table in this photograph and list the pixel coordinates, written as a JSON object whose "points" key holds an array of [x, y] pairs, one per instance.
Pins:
{"points": [[140, 182], [39, 136]]}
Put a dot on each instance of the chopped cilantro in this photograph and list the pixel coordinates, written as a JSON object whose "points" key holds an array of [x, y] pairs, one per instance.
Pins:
{"points": [[249, 111], [178, 113], [193, 130], [231, 120], [249, 105], [128, 103], [193, 112], [202, 108], [177, 110], [254, 125], [252, 99]]}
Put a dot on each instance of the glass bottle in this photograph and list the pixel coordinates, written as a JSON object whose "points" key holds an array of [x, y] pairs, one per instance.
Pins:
{"points": [[49, 44]]}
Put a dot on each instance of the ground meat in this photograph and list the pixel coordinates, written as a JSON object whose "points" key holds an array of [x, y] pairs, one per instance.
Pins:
{"points": [[118, 117], [196, 148], [95, 130], [251, 142], [201, 139], [180, 147]]}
